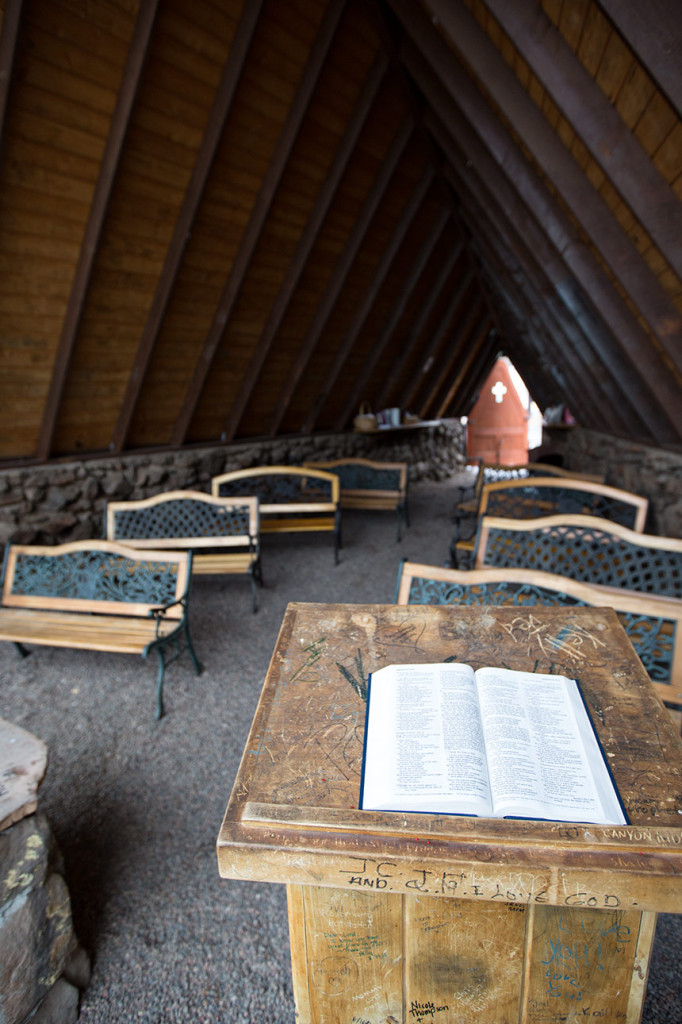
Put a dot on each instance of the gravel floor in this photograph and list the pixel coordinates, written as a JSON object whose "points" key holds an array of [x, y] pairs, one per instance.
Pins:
{"points": [[136, 805]]}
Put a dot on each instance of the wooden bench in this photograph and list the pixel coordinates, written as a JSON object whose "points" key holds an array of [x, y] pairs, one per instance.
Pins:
{"points": [[653, 624], [494, 472], [584, 548], [292, 499], [223, 533], [368, 484], [101, 596], [545, 496]]}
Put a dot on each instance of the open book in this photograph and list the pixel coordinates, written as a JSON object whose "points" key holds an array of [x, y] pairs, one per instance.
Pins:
{"points": [[444, 739]]}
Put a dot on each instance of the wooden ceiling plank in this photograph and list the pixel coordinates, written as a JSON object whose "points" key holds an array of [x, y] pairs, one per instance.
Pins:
{"points": [[344, 262], [474, 167], [474, 350], [259, 214], [454, 92], [598, 124], [410, 393], [451, 354], [653, 30], [9, 39], [563, 336], [215, 125], [586, 205], [393, 319], [489, 196], [370, 294], [307, 240], [479, 371], [414, 335], [130, 80]]}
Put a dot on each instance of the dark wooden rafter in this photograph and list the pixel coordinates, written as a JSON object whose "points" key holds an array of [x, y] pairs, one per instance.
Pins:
{"points": [[308, 238], [479, 371], [653, 30], [9, 38], [444, 325], [449, 89], [413, 338], [183, 225], [130, 80], [495, 192], [340, 272], [463, 368], [393, 319], [492, 199], [598, 124], [558, 341], [259, 214], [452, 351], [370, 295], [586, 204]]}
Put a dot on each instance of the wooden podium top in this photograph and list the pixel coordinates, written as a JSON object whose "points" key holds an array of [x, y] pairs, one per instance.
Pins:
{"points": [[293, 815]]}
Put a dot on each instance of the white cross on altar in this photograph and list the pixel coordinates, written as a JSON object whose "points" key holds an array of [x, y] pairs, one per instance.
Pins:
{"points": [[499, 390]]}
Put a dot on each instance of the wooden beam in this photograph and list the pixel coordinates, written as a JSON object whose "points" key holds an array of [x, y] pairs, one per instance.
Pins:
{"points": [[370, 295], [517, 229], [453, 91], [562, 341], [307, 239], [9, 39], [215, 125], [586, 205], [598, 124], [393, 319], [259, 215], [130, 80], [409, 394], [344, 263], [479, 372], [477, 344], [653, 30], [414, 335], [451, 354], [473, 165]]}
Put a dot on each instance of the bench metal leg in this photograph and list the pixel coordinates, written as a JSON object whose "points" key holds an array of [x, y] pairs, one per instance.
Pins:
{"points": [[22, 650]]}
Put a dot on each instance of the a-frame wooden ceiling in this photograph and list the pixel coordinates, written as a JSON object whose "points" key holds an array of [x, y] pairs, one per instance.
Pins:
{"points": [[230, 219]]}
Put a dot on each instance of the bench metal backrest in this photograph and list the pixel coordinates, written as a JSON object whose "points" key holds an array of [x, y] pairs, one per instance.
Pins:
{"points": [[281, 488], [178, 519], [493, 472], [366, 474], [95, 576], [653, 624], [583, 548], [522, 499]]}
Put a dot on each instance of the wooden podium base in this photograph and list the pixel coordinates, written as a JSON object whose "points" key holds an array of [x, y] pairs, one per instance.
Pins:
{"points": [[371, 958]]}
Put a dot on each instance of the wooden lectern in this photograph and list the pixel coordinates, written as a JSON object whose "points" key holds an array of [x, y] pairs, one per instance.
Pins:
{"points": [[418, 917]]}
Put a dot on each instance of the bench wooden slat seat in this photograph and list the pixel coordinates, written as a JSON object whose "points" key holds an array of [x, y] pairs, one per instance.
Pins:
{"points": [[99, 595], [544, 496], [222, 533], [653, 624], [370, 484], [291, 499], [583, 548]]}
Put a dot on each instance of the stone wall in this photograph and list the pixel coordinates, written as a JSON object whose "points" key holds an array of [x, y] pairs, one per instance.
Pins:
{"points": [[656, 473], [58, 502]]}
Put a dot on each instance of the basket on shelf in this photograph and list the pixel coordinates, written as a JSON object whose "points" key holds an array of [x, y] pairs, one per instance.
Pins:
{"points": [[365, 421]]}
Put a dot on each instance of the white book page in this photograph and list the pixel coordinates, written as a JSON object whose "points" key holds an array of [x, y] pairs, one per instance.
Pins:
{"points": [[424, 741], [543, 757]]}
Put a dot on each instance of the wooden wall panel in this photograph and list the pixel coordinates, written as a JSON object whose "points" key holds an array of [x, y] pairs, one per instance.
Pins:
{"points": [[67, 73], [152, 178], [373, 144]]}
